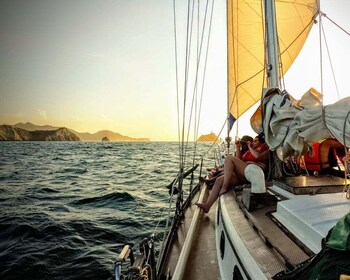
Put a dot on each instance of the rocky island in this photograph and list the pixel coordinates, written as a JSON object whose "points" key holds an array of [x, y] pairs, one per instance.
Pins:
{"points": [[208, 138], [31, 132], [10, 133]]}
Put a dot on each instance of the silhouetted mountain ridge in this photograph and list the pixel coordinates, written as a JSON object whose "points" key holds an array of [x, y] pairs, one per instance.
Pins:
{"points": [[84, 136], [11, 133]]}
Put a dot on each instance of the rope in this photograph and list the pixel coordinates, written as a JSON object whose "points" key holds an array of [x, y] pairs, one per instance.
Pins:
{"points": [[168, 219], [321, 60], [197, 68], [205, 153], [330, 62], [337, 25], [177, 78], [185, 90], [204, 73], [346, 167]]}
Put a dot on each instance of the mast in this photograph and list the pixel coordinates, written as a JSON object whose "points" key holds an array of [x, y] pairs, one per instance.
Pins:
{"points": [[228, 138], [271, 45]]}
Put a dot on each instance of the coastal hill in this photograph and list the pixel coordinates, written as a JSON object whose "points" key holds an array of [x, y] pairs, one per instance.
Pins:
{"points": [[208, 138], [85, 136], [112, 136], [10, 133]]}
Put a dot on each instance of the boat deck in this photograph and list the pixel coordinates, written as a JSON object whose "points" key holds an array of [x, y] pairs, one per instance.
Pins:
{"points": [[311, 184], [271, 248], [202, 262], [310, 217], [271, 243]]}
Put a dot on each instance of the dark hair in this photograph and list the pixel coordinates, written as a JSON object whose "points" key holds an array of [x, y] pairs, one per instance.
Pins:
{"points": [[261, 137]]}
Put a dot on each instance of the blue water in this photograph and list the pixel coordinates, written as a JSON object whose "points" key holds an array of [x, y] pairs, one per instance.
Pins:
{"points": [[67, 208]]}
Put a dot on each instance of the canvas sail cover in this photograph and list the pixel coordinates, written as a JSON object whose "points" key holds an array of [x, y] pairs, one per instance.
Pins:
{"points": [[246, 46], [292, 126]]}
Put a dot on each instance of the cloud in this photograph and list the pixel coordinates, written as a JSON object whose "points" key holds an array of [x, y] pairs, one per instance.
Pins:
{"points": [[42, 114]]}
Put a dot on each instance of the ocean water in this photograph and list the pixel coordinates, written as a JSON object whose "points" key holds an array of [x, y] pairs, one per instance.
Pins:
{"points": [[67, 208]]}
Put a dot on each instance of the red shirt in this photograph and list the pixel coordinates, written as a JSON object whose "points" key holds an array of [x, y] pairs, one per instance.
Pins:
{"points": [[248, 155]]}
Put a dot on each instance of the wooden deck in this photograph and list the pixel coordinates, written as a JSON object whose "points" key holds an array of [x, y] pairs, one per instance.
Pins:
{"points": [[271, 245], [202, 262]]}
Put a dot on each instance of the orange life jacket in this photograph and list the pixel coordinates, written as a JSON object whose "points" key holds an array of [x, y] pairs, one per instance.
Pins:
{"points": [[313, 161]]}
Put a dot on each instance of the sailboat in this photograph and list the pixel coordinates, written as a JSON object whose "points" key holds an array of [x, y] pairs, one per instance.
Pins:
{"points": [[278, 226]]}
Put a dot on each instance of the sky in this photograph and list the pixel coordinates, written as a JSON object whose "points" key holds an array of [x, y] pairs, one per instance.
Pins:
{"points": [[91, 65]]}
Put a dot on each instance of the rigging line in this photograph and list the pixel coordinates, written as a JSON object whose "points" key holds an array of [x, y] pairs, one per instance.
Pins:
{"points": [[321, 59], [302, 31], [235, 66], [197, 68], [185, 89], [346, 186], [177, 78], [264, 70], [330, 61], [280, 63], [197, 112], [168, 219], [205, 61], [265, 67], [191, 111], [204, 74], [337, 25], [205, 153], [196, 98], [184, 149], [205, 68], [240, 84]]}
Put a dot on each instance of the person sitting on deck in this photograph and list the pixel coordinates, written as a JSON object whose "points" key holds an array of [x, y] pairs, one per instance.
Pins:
{"points": [[241, 149], [234, 170], [323, 157]]}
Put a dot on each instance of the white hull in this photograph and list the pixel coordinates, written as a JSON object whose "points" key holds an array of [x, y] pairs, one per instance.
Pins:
{"points": [[234, 258], [244, 248]]}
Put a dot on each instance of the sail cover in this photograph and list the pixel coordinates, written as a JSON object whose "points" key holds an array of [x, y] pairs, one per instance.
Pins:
{"points": [[293, 128], [245, 46]]}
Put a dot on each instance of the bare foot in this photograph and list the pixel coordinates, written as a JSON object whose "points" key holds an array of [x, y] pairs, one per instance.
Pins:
{"points": [[203, 207]]}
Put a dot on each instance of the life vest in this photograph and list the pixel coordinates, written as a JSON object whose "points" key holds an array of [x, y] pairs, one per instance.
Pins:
{"points": [[313, 162]]}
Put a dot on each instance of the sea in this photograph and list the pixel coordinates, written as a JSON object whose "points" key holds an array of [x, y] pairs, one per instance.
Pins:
{"points": [[68, 208]]}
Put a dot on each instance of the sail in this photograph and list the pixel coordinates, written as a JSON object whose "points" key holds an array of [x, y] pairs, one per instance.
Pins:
{"points": [[246, 51]]}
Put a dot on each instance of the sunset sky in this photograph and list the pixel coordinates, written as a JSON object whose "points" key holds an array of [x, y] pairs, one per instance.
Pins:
{"points": [[91, 65]]}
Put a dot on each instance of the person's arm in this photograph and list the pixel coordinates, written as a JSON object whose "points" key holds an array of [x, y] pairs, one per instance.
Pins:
{"points": [[260, 156], [238, 149]]}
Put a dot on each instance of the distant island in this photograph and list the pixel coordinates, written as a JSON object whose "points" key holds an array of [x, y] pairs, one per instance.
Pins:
{"points": [[11, 133], [208, 138], [31, 132]]}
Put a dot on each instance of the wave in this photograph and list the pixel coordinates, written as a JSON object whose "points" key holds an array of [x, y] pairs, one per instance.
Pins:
{"points": [[67, 209], [108, 200]]}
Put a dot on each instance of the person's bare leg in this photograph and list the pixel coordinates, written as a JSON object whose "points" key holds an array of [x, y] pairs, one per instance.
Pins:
{"points": [[213, 196], [234, 173]]}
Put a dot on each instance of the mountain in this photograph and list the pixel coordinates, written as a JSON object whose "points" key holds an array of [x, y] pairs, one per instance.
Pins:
{"points": [[112, 136], [10, 133], [32, 127], [208, 138], [85, 136]]}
